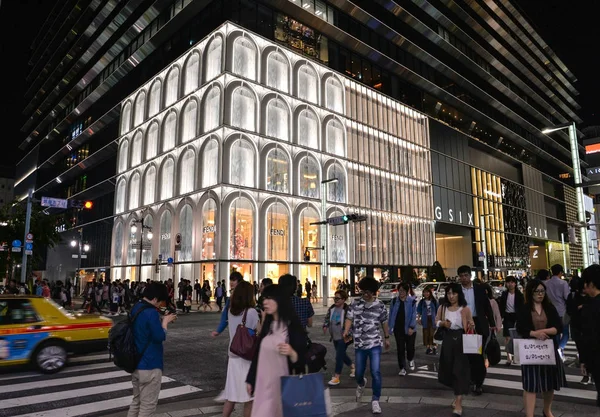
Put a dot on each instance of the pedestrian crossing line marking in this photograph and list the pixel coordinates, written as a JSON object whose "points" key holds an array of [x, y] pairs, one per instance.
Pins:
{"points": [[88, 358], [107, 405], [64, 395], [67, 370], [515, 372], [62, 381], [518, 385]]}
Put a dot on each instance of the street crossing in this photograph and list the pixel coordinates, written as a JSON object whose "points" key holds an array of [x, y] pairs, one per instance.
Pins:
{"points": [[89, 384]]}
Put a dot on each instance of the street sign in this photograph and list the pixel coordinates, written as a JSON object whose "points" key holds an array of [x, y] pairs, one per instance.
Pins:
{"points": [[481, 256], [29, 236], [16, 243], [28, 246], [16, 249], [83, 256], [74, 256], [54, 202], [28, 252]]}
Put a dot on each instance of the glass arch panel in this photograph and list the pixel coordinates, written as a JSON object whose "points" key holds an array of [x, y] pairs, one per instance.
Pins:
{"points": [[187, 172], [120, 200], [278, 168], [336, 190], [277, 232], [278, 72], [119, 244], [214, 59], [147, 253], [309, 234], [126, 118], [150, 185], [210, 164], [243, 109], [166, 180], [337, 241], [241, 229], [169, 131], [136, 149], [212, 109], [278, 119], [209, 229], [140, 109], [189, 122], [123, 155], [244, 58], [308, 84], [154, 98], [334, 95], [172, 87], [134, 192], [191, 74], [151, 141], [243, 163], [165, 243], [308, 129], [186, 228], [336, 143], [309, 179]]}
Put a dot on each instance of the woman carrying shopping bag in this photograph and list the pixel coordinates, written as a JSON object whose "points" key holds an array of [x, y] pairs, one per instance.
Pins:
{"points": [[454, 369], [334, 322], [281, 352], [241, 311], [538, 319]]}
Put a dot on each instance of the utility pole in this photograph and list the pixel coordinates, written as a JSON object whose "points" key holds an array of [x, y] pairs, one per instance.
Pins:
{"points": [[27, 225]]}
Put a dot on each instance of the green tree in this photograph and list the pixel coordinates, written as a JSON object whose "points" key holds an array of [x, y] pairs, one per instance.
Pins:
{"points": [[12, 226]]}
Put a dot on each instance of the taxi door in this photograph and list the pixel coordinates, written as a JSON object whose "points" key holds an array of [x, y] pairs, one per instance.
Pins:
{"points": [[19, 332]]}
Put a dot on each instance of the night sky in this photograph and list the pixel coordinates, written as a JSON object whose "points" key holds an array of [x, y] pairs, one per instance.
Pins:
{"points": [[570, 28]]}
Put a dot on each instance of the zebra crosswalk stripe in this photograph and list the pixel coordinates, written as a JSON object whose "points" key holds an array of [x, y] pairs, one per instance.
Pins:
{"points": [[89, 384]]}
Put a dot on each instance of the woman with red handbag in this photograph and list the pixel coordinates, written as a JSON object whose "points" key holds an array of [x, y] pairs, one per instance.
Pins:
{"points": [[243, 317]]}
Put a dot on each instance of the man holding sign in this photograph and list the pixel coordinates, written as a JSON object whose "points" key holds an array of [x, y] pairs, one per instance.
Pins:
{"points": [[541, 367], [590, 325]]}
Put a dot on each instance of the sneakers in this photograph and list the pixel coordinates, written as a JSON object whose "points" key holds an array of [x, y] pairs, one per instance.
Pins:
{"points": [[428, 351], [402, 372], [585, 380], [334, 381], [375, 407], [411, 365], [359, 389], [561, 353], [352, 372]]}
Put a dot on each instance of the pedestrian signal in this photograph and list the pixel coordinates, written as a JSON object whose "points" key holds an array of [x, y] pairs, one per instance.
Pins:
{"points": [[306, 255]]}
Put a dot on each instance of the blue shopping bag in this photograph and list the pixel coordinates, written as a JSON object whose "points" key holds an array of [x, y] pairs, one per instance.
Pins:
{"points": [[303, 396]]}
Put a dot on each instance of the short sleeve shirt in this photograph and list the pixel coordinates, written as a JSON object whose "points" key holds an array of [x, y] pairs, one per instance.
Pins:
{"points": [[366, 323]]}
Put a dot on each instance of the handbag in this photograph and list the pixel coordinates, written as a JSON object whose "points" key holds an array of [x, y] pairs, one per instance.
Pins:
{"points": [[303, 396], [244, 344], [493, 351], [472, 344], [440, 332]]}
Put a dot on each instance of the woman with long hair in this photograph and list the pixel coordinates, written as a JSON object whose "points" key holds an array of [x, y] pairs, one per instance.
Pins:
{"points": [[241, 306], [510, 302], [538, 319], [456, 318], [334, 323], [426, 312], [281, 351]]}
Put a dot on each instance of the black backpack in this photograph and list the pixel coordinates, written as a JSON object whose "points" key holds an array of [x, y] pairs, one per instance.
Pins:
{"points": [[315, 357], [121, 343]]}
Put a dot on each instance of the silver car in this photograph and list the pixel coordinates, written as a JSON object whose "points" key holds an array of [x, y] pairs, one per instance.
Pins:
{"points": [[438, 288], [388, 291]]}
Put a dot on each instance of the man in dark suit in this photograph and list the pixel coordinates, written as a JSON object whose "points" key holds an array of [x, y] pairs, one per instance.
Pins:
{"points": [[590, 326], [480, 307]]}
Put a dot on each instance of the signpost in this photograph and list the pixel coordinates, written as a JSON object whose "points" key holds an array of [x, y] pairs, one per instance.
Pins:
{"points": [[54, 202]]}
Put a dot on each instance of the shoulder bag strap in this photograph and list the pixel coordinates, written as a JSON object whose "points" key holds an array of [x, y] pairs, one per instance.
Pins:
{"points": [[244, 318]]}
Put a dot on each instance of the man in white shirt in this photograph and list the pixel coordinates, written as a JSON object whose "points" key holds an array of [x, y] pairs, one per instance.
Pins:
{"points": [[558, 292]]}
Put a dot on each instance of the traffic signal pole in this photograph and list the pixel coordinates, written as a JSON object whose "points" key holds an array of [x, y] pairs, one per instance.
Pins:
{"points": [[27, 225]]}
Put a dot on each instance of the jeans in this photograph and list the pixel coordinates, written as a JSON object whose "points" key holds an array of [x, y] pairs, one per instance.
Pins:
{"points": [[341, 357], [406, 347], [374, 355], [146, 387], [564, 338]]}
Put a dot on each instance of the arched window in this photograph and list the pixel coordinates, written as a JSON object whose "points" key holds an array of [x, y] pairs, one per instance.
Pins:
{"points": [[308, 84], [308, 129], [244, 58], [185, 229], [214, 59], [278, 119], [120, 200], [149, 186], [151, 141], [337, 241], [187, 172], [277, 232], [139, 113], [212, 109], [309, 178], [210, 163], [191, 74], [154, 99], [243, 109], [136, 149], [166, 180], [165, 243], [278, 72], [132, 254], [241, 229], [243, 163], [126, 118], [188, 124], [309, 233], [336, 190], [134, 192], [123, 155], [209, 228], [278, 168], [147, 254], [169, 132], [172, 87], [334, 95], [335, 137], [118, 244]]}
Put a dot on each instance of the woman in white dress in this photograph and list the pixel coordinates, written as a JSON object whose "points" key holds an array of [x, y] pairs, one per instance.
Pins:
{"points": [[242, 301]]}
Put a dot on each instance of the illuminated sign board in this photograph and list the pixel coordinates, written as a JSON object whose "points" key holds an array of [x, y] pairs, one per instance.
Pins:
{"points": [[590, 149]]}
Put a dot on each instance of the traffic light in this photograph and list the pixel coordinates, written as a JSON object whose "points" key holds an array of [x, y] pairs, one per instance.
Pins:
{"points": [[306, 255], [81, 204], [88, 205]]}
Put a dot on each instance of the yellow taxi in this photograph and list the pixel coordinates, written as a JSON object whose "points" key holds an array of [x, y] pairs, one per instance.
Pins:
{"points": [[35, 330]]}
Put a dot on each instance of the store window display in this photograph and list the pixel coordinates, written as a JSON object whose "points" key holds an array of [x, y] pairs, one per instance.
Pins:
{"points": [[278, 168], [241, 229], [209, 229], [277, 232], [309, 177]]}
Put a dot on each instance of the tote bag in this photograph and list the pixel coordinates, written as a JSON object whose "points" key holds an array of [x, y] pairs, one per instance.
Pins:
{"points": [[304, 396], [472, 344]]}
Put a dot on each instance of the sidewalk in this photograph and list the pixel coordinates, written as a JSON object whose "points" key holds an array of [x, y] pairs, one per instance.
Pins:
{"points": [[394, 402]]}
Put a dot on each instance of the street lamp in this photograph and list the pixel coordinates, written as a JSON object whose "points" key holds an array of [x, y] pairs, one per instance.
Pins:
{"points": [[149, 236], [73, 243], [324, 268], [578, 185], [83, 247]]}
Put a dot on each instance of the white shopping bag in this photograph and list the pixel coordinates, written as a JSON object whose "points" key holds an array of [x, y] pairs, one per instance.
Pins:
{"points": [[472, 344], [535, 352]]}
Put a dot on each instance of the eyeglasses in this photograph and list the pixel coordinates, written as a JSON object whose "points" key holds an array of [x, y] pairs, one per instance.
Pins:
{"points": [[539, 292], [367, 292], [337, 298]]}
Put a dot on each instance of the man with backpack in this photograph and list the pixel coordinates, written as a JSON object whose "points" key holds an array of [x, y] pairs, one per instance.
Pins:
{"points": [[150, 331]]}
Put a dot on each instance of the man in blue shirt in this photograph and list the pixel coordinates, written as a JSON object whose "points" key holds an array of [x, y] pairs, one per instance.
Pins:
{"points": [[302, 306], [150, 331], [234, 279]]}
